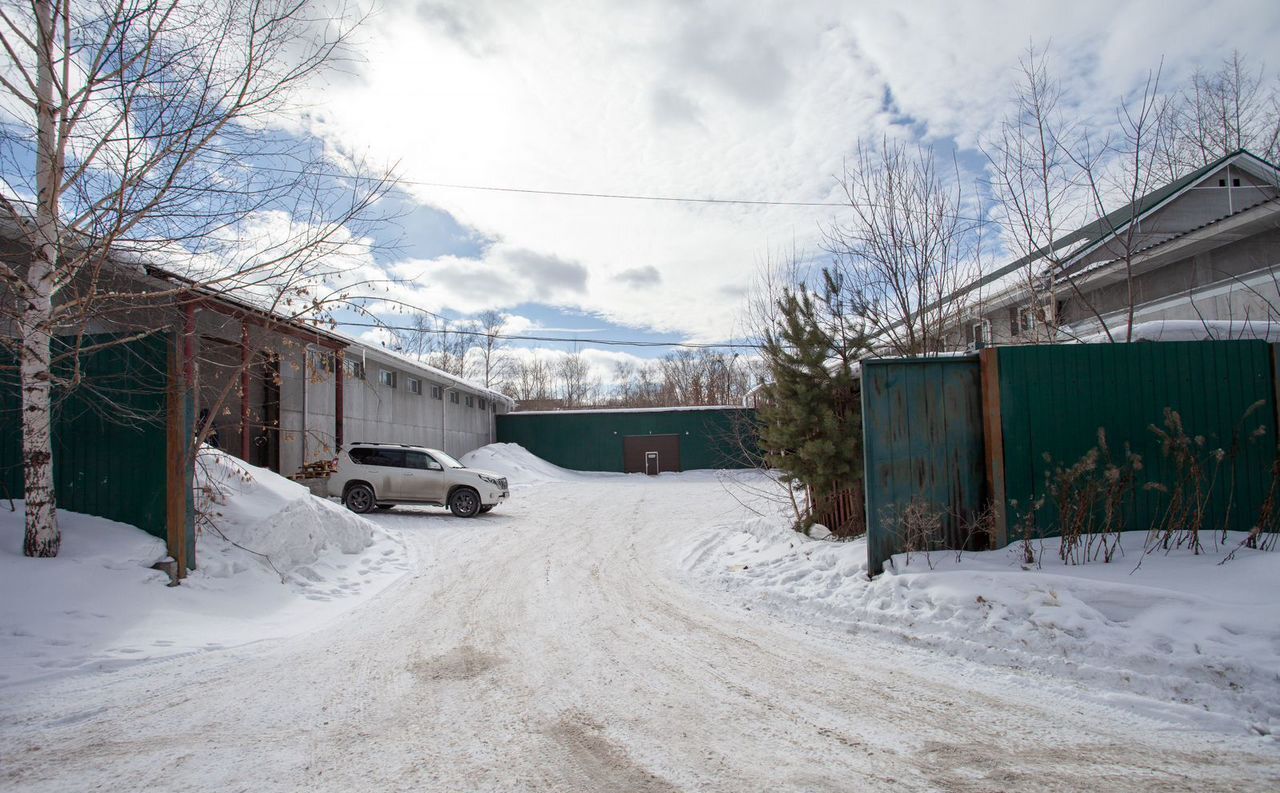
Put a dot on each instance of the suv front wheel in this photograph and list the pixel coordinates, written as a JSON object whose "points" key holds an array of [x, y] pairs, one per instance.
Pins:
{"points": [[464, 502], [359, 498]]}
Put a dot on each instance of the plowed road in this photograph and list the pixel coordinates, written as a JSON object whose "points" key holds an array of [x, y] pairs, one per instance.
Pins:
{"points": [[550, 646]]}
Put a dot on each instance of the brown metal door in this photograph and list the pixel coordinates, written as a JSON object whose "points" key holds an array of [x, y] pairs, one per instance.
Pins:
{"points": [[638, 451]]}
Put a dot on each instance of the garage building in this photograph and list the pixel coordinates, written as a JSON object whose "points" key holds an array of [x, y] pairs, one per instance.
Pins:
{"points": [[636, 440]]}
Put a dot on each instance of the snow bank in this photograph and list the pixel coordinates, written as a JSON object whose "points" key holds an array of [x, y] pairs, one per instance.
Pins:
{"points": [[1178, 637], [1193, 330], [520, 466], [280, 562], [280, 521]]}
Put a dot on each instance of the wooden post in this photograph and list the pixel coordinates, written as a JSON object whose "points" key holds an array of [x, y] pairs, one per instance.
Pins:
{"points": [[993, 438], [244, 391]]}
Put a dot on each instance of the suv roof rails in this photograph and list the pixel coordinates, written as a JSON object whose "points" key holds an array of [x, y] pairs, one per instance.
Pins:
{"points": [[382, 443]]}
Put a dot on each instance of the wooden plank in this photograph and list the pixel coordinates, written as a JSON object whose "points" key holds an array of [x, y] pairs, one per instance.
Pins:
{"points": [[993, 437]]}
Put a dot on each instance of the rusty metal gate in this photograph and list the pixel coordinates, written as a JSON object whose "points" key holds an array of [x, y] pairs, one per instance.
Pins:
{"points": [[924, 454]]}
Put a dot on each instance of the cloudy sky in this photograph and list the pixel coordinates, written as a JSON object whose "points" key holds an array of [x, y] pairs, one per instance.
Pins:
{"points": [[713, 99]]}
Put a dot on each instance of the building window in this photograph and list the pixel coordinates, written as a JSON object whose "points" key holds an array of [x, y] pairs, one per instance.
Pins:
{"points": [[1027, 319], [483, 403], [471, 401], [320, 360], [980, 333], [415, 385], [453, 397], [387, 378], [437, 392], [353, 369]]}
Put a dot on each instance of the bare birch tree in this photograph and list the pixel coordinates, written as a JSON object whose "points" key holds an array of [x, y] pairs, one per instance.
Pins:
{"points": [[144, 133], [907, 246], [491, 362], [1123, 169], [1035, 187], [1234, 107], [435, 341], [576, 384]]}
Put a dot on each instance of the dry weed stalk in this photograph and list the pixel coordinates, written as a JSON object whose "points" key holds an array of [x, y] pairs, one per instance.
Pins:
{"points": [[1090, 495], [919, 524]]}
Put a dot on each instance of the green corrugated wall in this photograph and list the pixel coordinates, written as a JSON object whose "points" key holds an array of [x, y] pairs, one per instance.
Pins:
{"points": [[1053, 400], [592, 440], [109, 435], [924, 431]]}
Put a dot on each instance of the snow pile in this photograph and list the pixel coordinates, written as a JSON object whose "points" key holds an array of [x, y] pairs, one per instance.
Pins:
{"points": [[278, 520], [1178, 637], [1193, 330], [280, 562], [520, 466]]}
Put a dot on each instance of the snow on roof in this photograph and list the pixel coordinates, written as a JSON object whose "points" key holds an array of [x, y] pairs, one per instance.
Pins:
{"points": [[626, 410], [1193, 330], [425, 369], [1091, 235]]}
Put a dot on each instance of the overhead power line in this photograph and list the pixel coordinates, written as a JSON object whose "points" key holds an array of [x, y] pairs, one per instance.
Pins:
{"points": [[519, 337], [628, 196], [675, 199]]}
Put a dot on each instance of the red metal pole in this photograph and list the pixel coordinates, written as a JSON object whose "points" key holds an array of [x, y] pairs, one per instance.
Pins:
{"points": [[189, 347], [339, 369], [244, 391]]}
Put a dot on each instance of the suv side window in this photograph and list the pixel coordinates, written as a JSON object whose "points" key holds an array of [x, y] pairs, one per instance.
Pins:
{"points": [[390, 458], [421, 461]]}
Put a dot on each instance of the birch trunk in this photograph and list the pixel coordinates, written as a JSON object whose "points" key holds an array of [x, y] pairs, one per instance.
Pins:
{"points": [[36, 324]]}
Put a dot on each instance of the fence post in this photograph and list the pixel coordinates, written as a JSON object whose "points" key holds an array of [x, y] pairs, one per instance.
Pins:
{"points": [[993, 436]]}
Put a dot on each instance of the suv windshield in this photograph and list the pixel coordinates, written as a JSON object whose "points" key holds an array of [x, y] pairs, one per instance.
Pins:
{"points": [[445, 460]]}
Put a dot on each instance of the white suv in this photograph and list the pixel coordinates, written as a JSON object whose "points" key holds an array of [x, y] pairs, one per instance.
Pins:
{"points": [[379, 475]]}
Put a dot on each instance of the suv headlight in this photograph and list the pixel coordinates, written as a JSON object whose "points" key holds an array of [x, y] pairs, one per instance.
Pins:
{"points": [[490, 479]]}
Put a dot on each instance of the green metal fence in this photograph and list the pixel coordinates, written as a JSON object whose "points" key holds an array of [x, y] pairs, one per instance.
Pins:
{"points": [[110, 442], [587, 440], [923, 451], [960, 435], [1054, 400]]}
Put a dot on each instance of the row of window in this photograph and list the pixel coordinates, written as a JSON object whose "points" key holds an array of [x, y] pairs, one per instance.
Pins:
{"points": [[390, 379], [1023, 320], [323, 361]]}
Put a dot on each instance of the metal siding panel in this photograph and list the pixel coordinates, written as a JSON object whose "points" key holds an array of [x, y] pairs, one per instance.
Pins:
{"points": [[110, 465], [922, 438], [1125, 388], [594, 441]]}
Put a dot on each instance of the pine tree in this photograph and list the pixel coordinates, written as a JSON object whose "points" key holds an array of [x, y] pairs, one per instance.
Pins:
{"points": [[810, 415]]}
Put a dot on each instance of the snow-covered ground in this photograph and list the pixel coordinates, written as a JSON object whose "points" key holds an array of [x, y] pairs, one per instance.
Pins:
{"points": [[1172, 635], [523, 469], [272, 561], [560, 642]]}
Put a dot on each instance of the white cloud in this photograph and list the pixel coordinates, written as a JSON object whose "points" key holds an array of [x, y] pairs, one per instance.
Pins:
{"points": [[757, 100]]}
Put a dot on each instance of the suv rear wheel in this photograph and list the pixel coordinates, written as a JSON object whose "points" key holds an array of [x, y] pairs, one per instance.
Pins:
{"points": [[359, 498], [464, 502]]}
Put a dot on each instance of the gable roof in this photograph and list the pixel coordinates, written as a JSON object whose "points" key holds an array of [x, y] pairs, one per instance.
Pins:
{"points": [[1088, 237]]}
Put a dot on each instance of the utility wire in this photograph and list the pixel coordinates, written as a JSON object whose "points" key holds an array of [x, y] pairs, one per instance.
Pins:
{"points": [[516, 337], [611, 196]]}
